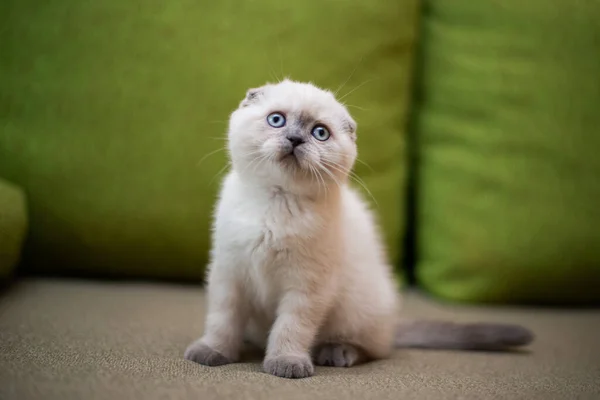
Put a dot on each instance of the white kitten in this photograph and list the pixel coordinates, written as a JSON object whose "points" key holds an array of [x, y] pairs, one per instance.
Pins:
{"points": [[297, 264]]}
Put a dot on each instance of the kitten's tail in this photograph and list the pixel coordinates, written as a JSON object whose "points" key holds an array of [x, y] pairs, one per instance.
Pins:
{"points": [[461, 336]]}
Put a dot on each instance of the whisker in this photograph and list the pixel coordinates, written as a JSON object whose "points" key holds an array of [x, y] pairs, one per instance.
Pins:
{"points": [[219, 173], [251, 153], [357, 107], [272, 74], [209, 154], [365, 164], [323, 180], [357, 159], [314, 172], [331, 176], [356, 88], [313, 175], [348, 78], [280, 59], [352, 175], [262, 158], [345, 170], [256, 160]]}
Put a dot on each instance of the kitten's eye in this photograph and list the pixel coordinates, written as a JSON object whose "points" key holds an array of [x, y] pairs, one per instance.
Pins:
{"points": [[320, 133], [276, 120]]}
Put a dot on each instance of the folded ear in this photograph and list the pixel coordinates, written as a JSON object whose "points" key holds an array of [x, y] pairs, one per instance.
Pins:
{"points": [[252, 96]]}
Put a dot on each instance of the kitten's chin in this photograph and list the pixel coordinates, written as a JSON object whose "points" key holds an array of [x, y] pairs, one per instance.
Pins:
{"points": [[292, 160]]}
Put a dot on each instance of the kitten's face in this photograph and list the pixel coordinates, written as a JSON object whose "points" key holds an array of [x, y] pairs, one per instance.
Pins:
{"points": [[292, 134]]}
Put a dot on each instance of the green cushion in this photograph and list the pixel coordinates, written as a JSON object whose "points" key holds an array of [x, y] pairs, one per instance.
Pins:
{"points": [[13, 226], [508, 135], [108, 107]]}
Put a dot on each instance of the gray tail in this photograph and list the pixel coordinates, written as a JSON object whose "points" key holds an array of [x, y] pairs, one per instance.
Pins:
{"points": [[461, 336]]}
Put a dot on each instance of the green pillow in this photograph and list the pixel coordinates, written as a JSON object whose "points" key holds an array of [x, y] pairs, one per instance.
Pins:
{"points": [[13, 225], [108, 107], [507, 126]]}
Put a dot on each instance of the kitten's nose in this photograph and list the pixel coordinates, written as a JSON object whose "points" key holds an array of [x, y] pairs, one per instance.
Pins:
{"points": [[295, 140]]}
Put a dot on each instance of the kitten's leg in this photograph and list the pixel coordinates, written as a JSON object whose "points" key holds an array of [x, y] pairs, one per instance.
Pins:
{"points": [[298, 318], [225, 322], [353, 335]]}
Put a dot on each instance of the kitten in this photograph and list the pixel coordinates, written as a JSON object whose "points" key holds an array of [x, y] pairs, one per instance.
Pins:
{"points": [[297, 265]]}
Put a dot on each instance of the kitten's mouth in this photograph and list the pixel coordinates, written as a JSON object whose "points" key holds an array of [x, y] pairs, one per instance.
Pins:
{"points": [[291, 157]]}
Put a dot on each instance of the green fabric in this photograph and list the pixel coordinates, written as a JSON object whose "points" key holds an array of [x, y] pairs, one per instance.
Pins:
{"points": [[508, 133], [108, 107], [13, 226]]}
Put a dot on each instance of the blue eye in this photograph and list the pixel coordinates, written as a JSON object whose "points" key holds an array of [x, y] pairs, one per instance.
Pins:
{"points": [[320, 133], [276, 120]]}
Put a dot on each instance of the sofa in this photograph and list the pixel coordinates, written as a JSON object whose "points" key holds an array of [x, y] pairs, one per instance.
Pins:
{"points": [[478, 138]]}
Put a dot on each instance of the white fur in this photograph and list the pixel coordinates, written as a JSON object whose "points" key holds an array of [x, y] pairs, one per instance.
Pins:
{"points": [[296, 260]]}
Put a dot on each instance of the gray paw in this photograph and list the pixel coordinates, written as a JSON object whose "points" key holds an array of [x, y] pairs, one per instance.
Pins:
{"points": [[289, 366], [337, 355], [202, 354]]}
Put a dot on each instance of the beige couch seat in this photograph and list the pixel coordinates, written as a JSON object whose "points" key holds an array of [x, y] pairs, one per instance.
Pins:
{"points": [[71, 339]]}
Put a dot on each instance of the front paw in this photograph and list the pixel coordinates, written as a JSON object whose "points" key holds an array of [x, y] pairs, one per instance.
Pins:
{"points": [[205, 355], [289, 366]]}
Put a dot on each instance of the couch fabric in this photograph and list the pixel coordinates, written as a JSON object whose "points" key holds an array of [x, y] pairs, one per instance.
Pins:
{"points": [[91, 340], [13, 226], [108, 107], [506, 133]]}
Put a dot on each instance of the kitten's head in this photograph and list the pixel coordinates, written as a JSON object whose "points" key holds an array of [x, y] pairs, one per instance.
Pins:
{"points": [[293, 135]]}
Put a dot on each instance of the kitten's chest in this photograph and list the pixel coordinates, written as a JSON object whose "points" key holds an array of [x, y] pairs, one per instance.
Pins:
{"points": [[278, 227], [270, 238]]}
